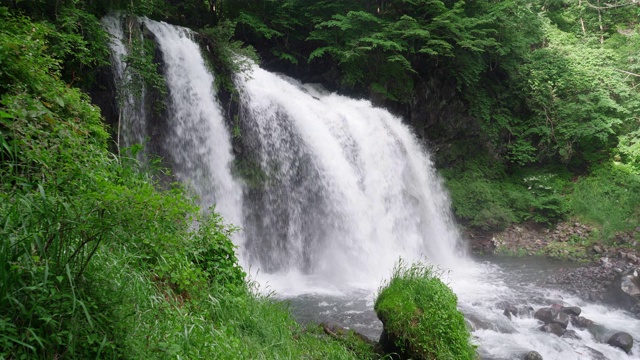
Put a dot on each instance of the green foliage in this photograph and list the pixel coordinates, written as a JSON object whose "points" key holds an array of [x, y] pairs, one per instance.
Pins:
{"points": [[609, 199], [567, 251], [480, 202], [577, 99], [73, 34], [484, 197], [383, 51], [251, 172], [141, 72], [628, 150], [228, 57], [420, 313]]}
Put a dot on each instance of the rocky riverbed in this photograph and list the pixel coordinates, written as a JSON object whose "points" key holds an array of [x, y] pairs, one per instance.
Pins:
{"points": [[603, 265]]}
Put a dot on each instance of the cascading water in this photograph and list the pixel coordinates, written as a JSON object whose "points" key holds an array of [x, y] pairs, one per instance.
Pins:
{"points": [[196, 138], [347, 189], [337, 191]]}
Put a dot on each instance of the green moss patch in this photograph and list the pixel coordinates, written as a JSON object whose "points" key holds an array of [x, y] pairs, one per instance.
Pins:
{"points": [[420, 315]]}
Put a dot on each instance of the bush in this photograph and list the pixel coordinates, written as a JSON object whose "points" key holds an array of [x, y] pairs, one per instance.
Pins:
{"points": [[420, 315], [484, 198]]}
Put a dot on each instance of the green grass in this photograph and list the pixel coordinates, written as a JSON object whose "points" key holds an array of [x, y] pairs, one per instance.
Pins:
{"points": [[420, 314]]}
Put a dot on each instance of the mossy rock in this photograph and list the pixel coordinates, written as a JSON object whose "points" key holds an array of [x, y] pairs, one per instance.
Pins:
{"points": [[420, 316]]}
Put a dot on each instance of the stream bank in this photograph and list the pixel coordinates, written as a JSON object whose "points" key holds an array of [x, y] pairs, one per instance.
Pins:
{"points": [[598, 264]]}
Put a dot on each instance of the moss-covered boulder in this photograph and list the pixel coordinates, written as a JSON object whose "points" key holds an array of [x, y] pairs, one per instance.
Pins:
{"points": [[420, 316]]}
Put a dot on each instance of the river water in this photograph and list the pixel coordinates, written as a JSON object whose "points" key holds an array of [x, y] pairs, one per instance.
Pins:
{"points": [[330, 192], [482, 292]]}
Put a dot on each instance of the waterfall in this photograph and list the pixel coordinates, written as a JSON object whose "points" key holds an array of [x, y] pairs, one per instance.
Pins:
{"points": [[347, 188], [330, 192], [342, 189]]}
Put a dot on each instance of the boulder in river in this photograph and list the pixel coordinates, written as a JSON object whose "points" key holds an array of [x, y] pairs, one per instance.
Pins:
{"points": [[510, 310], [553, 315], [580, 321], [625, 289], [533, 355], [621, 340], [571, 334], [553, 328], [572, 310]]}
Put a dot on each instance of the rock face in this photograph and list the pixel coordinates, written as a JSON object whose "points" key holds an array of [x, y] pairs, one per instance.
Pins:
{"points": [[621, 340]]}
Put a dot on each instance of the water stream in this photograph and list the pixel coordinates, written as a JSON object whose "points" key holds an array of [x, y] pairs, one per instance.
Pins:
{"points": [[334, 192]]}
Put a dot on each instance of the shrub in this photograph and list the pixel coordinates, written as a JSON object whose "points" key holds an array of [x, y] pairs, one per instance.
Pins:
{"points": [[420, 315], [487, 199], [478, 200]]}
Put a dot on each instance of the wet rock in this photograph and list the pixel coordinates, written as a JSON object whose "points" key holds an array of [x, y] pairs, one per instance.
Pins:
{"points": [[595, 354], [544, 314], [532, 355], [572, 310], [580, 321], [621, 340], [510, 310], [599, 332], [625, 289], [500, 325], [552, 315], [525, 311], [553, 328], [571, 334]]}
